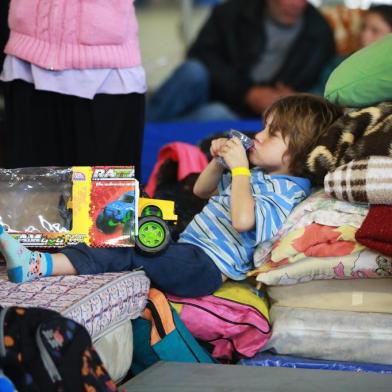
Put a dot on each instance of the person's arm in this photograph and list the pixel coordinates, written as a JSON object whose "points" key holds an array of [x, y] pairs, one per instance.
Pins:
{"points": [[207, 183], [259, 98], [242, 204], [243, 216]]}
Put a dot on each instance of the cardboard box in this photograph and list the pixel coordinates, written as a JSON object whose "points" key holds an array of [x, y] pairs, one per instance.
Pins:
{"points": [[55, 207]]}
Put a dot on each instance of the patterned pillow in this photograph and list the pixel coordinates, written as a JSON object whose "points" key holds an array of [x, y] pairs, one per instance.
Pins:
{"points": [[318, 208], [358, 265]]}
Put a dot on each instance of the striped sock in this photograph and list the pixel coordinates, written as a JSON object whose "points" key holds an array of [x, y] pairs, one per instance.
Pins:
{"points": [[22, 264]]}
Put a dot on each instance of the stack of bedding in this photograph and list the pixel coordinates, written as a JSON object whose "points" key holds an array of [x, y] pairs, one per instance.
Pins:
{"points": [[104, 304], [328, 272]]}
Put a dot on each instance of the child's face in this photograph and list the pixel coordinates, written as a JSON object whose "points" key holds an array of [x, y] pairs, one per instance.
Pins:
{"points": [[269, 152], [374, 27]]}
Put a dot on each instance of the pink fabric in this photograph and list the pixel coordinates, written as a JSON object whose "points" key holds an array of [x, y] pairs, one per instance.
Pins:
{"points": [[74, 34], [231, 327], [190, 160]]}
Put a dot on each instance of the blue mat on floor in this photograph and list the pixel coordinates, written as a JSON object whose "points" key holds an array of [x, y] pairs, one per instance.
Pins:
{"points": [[157, 135], [272, 360]]}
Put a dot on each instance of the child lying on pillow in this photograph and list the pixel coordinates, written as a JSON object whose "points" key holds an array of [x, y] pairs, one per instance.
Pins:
{"points": [[245, 208]]}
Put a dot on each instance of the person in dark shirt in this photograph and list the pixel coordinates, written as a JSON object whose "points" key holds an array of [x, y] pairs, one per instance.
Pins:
{"points": [[247, 54]]}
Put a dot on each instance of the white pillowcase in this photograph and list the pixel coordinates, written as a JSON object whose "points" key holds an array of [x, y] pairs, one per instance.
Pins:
{"points": [[361, 295], [331, 335]]}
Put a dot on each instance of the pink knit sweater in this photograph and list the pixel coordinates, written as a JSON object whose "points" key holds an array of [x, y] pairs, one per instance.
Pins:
{"points": [[74, 34]]}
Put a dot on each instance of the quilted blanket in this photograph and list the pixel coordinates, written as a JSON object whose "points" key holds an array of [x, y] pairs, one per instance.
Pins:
{"points": [[99, 302]]}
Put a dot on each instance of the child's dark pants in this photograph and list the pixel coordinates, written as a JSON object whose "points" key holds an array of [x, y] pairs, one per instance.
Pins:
{"points": [[182, 269]]}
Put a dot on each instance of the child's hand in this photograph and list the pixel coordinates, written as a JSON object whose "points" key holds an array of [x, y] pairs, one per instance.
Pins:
{"points": [[216, 146], [234, 153]]}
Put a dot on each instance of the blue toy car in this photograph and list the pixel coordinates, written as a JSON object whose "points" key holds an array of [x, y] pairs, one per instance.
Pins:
{"points": [[121, 211]]}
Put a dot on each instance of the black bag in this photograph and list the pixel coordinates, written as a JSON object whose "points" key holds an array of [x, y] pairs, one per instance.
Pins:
{"points": [[187, 205], [41, 350]]}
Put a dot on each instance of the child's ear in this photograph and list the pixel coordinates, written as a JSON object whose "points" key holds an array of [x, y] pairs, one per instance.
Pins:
{"points": [[286, 157]]}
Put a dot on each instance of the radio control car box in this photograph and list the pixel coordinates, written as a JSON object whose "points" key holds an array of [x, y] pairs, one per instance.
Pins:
{"points": [[51, 207]]}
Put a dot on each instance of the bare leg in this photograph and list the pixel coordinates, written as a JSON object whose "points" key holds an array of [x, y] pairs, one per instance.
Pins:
{"points": [[62, 265]]}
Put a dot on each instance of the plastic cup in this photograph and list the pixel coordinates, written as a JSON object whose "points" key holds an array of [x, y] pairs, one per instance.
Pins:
{"points": [[246, 141]]}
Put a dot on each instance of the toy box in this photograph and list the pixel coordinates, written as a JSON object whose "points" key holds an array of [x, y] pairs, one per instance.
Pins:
{"points": [[100, 206]]}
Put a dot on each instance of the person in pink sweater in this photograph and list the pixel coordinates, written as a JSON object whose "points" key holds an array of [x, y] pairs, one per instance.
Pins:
{"points": [[74, 84]]}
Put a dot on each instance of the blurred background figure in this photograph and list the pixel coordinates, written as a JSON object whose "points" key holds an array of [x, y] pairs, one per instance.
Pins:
{"points": [[376, 23], [74, 84], [247, 54]]}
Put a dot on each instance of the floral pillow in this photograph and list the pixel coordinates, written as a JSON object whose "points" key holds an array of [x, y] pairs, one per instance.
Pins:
{"points": [[318, 208], [358, 265]]}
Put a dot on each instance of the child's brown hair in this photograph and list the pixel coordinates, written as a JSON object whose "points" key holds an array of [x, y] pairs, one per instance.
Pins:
{"points": [[302, 118]]}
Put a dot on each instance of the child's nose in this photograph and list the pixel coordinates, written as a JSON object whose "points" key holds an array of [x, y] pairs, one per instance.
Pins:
{"points": [[259, 136]]}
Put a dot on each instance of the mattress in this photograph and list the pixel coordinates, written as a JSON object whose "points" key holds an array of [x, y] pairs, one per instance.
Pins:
{"points": [[356, 295], [331, 334], [100, 303]]}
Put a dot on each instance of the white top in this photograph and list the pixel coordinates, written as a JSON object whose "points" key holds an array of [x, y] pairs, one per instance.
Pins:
{"points": [[81, 83]]}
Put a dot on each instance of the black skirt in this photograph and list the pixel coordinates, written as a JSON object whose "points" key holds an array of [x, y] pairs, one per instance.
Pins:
{"points": [[51, 129]]}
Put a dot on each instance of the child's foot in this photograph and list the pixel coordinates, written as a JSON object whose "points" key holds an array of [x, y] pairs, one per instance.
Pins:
{"points": [[23, 264]]}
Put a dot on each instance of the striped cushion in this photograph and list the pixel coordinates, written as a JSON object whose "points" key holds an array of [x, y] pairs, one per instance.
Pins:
{"points": [[362, 181]]}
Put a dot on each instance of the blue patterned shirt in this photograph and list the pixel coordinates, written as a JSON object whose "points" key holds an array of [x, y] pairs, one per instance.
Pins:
{"points": [[275, 197]]}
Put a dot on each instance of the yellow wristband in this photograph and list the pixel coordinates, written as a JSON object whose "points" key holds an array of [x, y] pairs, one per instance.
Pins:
{"points": [[240, 171]]}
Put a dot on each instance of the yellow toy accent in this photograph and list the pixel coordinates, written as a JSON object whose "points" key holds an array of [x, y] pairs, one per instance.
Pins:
{"points": [[164, 209]]}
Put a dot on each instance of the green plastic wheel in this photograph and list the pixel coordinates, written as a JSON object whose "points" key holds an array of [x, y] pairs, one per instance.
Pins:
{"points": [[154, 235], [152, 211]]}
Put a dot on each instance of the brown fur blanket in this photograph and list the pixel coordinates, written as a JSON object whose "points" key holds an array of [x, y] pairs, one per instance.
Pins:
{"points": [[356, 135]]}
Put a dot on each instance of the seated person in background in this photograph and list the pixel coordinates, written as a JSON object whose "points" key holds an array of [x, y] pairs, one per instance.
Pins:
{"points": [[248, 54], [377, 22], [245, 208]]}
